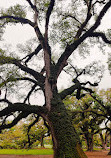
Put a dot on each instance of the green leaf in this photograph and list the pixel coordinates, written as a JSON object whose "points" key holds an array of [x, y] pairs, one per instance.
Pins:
{"points": [[16, 10]]}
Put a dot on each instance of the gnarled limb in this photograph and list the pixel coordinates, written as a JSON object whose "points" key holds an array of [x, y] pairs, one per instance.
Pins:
{"points": [[68, 91], [102, 35], [99, 2], [18, 19], [15, 121], [29, 57], [8, 60], [13, 107]]}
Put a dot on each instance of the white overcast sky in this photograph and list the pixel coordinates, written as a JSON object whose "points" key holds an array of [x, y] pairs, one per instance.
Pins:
{"points": [[14, 35]]}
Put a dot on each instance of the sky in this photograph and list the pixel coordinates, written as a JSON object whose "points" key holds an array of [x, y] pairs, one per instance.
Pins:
{"points": [[21, 34]]}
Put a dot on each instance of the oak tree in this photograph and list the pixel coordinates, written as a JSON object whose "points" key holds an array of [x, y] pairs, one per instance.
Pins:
{"points": [[70, 24]]}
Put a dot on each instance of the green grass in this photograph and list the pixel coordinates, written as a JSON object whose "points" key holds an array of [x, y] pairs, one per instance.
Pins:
{"points": [[26, 152]]}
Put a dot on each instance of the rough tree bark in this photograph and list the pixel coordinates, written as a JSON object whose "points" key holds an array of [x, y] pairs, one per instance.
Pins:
{"points": [[65, 139]]}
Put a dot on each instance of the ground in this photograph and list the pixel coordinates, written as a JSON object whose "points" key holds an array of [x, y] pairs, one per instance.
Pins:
{"points": [[95, 154], [98, 154]]}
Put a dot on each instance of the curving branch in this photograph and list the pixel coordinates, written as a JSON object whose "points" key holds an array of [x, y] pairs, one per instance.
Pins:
{"points": [[21, 107], [78, 86], [18, 19], [91, 84], [4, 119], [15, 121], [12, 79], [99, 2], [29, 93], [29, 57], [102, 35], [8, 60], [39, 77]]}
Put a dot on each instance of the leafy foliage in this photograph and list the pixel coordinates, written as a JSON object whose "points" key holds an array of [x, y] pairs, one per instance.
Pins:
{"points": [[17, 137], [16, 11], [85, 114]]}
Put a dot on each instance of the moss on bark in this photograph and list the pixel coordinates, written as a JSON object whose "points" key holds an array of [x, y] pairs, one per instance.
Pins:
{"points": [[67, 140]]}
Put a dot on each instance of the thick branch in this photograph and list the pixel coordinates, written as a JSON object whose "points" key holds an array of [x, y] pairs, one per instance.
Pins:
{"points": [[102, 35], [40, 36], [15, 121], [18, 19], [8, 60], [68, 91], [35, 74], [13, 107], [32, 5], [78, 86]]}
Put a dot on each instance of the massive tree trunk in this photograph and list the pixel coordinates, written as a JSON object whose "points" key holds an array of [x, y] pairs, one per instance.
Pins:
{"points": [[65, 140]]}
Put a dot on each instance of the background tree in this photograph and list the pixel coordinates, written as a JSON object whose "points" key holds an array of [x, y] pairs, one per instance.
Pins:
{"points": [[74, 33], [17, 137], [103, 104], [35, 132], [104, 138], [85, 120]]}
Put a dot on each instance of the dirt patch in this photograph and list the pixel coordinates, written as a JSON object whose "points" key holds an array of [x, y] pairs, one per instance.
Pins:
{"points": [[95, 154], [98, 154]]}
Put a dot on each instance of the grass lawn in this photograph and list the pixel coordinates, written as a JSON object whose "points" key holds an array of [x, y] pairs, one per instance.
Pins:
{"points": [[26, 152]]}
